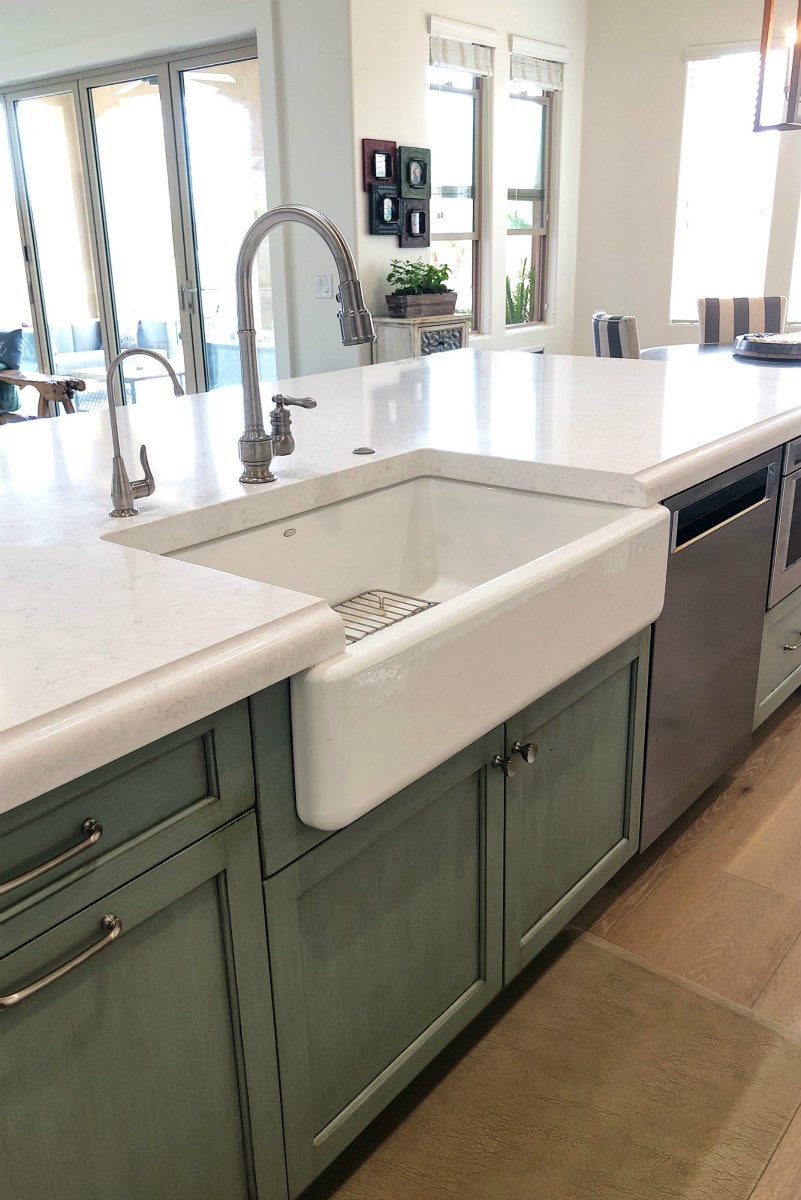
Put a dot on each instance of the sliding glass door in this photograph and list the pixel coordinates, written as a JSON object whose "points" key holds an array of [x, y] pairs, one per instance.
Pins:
{"points": [[61, 232], [226, 186], [127, 122], [138, 184]]}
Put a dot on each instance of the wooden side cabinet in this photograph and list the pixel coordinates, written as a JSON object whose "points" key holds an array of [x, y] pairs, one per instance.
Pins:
{"points": [[148, 1070], [411, 337], [573, 814], [385, 941]]}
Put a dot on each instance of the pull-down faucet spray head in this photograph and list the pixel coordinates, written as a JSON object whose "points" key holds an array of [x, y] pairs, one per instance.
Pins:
{"points": [[356, 323]]}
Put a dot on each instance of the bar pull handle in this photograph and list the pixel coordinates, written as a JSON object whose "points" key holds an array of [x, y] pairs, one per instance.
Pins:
{"points": [[92, 832], [797, 646], [112, 927]]}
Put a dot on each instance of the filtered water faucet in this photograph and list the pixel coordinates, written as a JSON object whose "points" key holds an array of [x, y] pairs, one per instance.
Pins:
{"points": [[124, 490]]}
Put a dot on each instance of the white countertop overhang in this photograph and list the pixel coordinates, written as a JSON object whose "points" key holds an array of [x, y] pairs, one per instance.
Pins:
{"points": [[106, 648]]}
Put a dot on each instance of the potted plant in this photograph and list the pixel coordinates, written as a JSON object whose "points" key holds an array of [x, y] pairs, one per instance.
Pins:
{"points": [[419, 289]]}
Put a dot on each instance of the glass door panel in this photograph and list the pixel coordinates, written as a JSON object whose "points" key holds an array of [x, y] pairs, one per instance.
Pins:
{"points": [[15, 308], [132, 173], [227, 190], [51, 160]]}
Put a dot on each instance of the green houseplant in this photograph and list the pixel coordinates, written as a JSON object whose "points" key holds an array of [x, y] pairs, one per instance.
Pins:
{"points": [[419, 289], [520, 298]]}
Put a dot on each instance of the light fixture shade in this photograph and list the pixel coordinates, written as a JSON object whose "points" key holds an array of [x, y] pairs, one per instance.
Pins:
{"points": [[791, 118]]}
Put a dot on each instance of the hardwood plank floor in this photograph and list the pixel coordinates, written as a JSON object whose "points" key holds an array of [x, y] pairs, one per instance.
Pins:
{"points": [[717, 900]]}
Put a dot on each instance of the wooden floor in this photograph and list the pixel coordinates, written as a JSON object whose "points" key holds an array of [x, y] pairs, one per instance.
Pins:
{"points": [[717, 900]]}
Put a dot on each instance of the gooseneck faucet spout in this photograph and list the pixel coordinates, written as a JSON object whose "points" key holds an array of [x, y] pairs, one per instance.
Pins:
{"points": [[123, 490], [256, 446]]}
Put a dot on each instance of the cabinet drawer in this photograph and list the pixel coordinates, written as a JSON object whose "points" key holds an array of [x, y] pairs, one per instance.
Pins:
{"points": [[780, 659], [148, 805], [136, 1039]]}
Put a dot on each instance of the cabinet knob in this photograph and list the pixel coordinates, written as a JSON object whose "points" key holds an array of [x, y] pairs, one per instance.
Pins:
{"points": [[528, 751], [507, 765]]}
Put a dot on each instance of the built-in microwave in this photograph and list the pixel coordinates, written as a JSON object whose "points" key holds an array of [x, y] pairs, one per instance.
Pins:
{"points": [[785, 575]]}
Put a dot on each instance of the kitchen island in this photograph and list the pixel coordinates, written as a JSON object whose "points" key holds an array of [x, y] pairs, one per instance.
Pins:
{"points": [[148, 695], [106, 648]]}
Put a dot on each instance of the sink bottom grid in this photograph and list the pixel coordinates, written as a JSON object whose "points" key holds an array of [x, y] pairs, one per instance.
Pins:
{"points": [[370, 611]]}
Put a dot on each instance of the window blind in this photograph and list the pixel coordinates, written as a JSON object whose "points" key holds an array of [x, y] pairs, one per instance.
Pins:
{"points": [[463, 56], [542, 71]]}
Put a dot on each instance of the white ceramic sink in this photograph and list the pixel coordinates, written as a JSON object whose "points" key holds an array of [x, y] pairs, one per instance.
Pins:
{"points": [[528, 589]]}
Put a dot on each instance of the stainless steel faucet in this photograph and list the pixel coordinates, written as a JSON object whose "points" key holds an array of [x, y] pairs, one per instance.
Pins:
{"points": [[123, 491], [256, 447]]}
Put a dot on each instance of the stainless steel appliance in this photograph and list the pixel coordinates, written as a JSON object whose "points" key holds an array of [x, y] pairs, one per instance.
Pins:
{"points": [[785, 574], [706, 642]]}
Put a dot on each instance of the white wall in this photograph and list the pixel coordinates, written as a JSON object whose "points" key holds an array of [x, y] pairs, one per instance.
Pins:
{"points": [[41, 37], [633, 110], [390, 55]]}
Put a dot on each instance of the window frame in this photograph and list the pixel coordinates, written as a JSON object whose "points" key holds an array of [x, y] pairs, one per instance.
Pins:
{"points": [[540, 234], [478, 91]]}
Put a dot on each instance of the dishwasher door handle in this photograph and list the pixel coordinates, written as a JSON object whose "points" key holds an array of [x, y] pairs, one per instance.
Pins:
{"points": [[712, 512]]}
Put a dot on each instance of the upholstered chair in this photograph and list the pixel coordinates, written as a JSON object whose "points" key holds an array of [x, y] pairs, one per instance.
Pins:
{"points": [[615, 336], [720, 321]]}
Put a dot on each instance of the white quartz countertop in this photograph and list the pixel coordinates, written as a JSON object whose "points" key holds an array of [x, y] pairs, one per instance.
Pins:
{"points": [[106, 648]]}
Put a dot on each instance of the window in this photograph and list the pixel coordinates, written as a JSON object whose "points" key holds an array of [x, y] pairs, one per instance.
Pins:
{"points": [[526, 156], [454, 134], [461, 60], [726, 185]]}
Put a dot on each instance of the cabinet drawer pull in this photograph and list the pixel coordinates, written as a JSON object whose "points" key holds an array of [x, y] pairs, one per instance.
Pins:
{"points": [[797, 646], [92, 832], [112, 927]]}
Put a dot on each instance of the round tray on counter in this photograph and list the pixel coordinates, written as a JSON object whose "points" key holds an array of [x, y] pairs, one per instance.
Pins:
{"points": [[785, 347]]}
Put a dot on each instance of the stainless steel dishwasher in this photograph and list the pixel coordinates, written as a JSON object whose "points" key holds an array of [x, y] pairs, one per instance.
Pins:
{"points": [[706, 642]]}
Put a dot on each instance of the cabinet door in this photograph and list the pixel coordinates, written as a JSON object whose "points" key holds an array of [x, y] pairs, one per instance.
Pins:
{"points": [[141, 1072], [572, 816], [385, 940]]}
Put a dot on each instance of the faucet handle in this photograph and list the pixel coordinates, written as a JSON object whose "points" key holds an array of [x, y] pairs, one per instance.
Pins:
{"points": [[147, 485], [301, 401]]}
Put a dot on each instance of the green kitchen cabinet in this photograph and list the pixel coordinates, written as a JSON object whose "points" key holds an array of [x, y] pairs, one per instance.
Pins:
{"points": [[147, 1070], [385, 941], [573, 814], [388, 937]]}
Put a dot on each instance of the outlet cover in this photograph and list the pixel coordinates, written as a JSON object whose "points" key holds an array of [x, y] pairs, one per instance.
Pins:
{"points": [[324, 287]]}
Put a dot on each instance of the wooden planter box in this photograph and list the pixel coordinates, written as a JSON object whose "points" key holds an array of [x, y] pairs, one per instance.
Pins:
{"points": [[437, 304]]}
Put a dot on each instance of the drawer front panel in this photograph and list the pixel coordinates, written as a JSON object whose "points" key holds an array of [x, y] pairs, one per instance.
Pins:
{"points": [[780, 660], [157, 800]]}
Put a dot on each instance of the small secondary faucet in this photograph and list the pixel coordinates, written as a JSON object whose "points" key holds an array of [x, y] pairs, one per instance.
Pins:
{"points": [[123, 491], [256, 446]]}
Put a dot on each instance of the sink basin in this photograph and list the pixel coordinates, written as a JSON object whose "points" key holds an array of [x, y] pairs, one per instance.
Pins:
{"points": [[520, 590]]}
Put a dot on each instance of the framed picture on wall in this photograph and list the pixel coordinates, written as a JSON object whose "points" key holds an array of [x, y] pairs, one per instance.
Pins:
{"points": [[414, 228], [379, 163], [414, 171], [384, 208]]}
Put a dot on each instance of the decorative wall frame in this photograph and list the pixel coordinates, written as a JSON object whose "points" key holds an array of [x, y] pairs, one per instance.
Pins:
{"points": [[414, 172], [414, 223], [384, 209], [379, 163]]}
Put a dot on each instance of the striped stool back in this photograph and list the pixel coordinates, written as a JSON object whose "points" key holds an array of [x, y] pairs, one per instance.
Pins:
{"points": [[721, 321], [615, 337]]}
